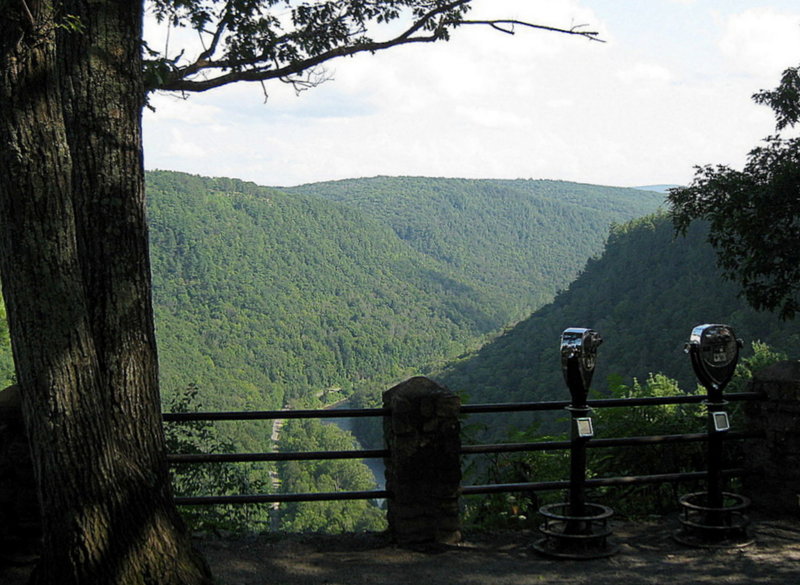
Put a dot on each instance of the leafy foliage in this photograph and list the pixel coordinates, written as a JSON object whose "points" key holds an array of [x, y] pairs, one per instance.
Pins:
{"points": [[516, 242], [667, 419], [326, 476], [514, 510], [262, 297], [754, 214], [783, 100], [189, 479], [763, 355], [265, 298], [520, 510]]}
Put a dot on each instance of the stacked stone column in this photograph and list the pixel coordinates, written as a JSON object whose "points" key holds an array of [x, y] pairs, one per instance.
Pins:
{"points": [[774, 482], [423, 471]]}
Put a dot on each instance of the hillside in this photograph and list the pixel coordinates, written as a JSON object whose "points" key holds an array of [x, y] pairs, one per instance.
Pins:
{"points": [[262, 295], [643, 295], [517, 241]]}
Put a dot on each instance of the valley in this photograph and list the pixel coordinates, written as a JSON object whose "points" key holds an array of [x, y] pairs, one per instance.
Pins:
{"points": [[268, 298], [264, 297]]}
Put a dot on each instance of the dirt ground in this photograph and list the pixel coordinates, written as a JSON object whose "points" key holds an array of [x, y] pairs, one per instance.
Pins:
{"points": [[647, 555]]}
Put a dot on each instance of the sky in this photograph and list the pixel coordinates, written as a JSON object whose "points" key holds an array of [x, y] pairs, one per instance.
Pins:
{"points": [[669, 89]]}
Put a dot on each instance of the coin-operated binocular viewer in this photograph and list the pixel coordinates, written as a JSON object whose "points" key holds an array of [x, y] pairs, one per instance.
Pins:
{"points": [[714, 517], [576, 529]]}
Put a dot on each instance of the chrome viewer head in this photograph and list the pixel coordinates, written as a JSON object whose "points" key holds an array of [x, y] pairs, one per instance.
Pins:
{"points": [[578, 357], [714, 351]]}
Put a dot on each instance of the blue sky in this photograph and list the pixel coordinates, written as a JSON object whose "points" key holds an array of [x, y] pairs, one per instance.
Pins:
{"points": [[669, 89]]}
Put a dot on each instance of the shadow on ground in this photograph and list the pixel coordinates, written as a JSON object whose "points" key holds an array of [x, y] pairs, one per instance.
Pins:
{"points": [[648, 555]]}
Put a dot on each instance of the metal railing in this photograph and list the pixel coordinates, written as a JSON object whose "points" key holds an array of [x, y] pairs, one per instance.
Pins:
{"points": [[174, 458], [465, 450], [601, 443]]}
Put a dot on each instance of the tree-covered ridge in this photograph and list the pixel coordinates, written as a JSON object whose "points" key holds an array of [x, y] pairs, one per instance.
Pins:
{"points": [[262, 295], [519, 241], [643, 295]]}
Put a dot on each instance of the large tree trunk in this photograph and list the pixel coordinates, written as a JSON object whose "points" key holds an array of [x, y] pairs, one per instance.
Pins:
{"points": [[76, 280]]}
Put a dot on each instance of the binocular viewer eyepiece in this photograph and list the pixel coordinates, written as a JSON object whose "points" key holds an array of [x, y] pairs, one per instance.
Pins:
{"points": [[714, 352], [713, 349], [578, 359]]}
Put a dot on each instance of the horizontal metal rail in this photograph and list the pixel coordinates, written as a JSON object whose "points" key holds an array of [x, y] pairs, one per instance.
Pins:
{"points": [[175, 459], [466, 490], [278, 456], [602, 403], [501, 488], [600, 443], [465, 409], [281, 498], [274, 414], [193, 458]]}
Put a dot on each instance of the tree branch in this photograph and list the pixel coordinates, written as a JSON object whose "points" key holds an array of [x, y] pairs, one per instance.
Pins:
{"points": [[178, 80], [216, 37], [28, 14], [501, 26], [286, 72], [280, 60]]}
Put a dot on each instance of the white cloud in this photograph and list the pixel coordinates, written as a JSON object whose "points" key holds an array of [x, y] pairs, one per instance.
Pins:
{"points": [[761, 41], [491, 118], [645, 73], [643, 108], [178, 146], [187, 111]]}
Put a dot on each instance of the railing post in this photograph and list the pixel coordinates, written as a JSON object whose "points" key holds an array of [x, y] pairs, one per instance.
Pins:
{"points": [[774, 484], [423, 470]]}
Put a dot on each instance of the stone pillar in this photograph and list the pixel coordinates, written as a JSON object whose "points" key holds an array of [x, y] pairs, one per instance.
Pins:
{"points": [[423, 470], [774, 463], [19, 508]]}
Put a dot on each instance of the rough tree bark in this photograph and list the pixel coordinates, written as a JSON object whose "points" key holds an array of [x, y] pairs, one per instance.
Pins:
{"points": [[76, 279]]}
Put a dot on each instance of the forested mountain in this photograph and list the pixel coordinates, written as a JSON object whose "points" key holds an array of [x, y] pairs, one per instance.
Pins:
{"points": [[264, 295], [643, 295], [517, 241]]}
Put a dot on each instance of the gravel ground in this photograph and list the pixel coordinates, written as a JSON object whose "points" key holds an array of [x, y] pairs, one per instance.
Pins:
{"points": [[647, 555]]}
